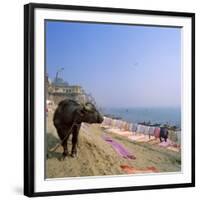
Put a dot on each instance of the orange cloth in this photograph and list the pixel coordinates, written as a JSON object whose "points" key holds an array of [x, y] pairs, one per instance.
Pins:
{"points": [[132, 170]]}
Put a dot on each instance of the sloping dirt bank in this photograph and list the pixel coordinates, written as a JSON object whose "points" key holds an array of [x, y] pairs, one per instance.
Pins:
{"points": [[96, 157]]}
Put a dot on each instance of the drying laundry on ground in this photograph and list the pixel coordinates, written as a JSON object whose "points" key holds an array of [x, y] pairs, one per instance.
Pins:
{"points": [[132, 170], [119, 148], [141, 132]]}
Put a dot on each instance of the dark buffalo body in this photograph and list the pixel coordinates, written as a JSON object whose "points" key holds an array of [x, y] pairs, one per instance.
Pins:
{"points": [[68, 118], [163, 134]]}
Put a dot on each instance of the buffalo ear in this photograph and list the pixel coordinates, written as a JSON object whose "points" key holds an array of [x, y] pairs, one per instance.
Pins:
{"points": [[81, 112]]}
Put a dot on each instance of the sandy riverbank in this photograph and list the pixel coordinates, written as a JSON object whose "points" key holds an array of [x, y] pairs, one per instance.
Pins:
{"points": [[96, 157]]}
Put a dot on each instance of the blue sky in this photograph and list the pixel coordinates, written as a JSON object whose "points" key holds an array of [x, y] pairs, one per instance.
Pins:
{"points": [[120, 65]]}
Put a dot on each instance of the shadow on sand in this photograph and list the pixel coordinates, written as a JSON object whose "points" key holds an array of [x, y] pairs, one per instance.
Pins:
{"points": [[52, 141]]}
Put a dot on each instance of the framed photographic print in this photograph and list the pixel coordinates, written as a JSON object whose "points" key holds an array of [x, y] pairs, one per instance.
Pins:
{"points": [[108, 99]]}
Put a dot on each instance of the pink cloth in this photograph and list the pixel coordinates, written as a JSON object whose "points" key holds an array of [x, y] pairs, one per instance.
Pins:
{"points": [[119, 148], [165, 144], [157, 132]]}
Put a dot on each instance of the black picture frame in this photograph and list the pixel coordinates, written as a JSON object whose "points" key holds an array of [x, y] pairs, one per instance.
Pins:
{"points": [[29, 98]]}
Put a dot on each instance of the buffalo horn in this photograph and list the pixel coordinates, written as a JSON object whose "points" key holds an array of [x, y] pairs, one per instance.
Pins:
{"points": [[88, 107]]}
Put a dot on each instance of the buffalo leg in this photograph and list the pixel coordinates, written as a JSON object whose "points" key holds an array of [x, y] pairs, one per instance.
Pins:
{"points": [[65, 148], [64, 139], [75, 141]]}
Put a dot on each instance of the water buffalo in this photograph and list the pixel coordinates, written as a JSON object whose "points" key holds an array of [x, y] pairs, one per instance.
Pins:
{"points": [[163, 134], [68, 118]]}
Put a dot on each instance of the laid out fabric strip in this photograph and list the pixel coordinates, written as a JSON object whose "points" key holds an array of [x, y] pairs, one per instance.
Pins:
{"points": [[132, 170], [120, 149]]}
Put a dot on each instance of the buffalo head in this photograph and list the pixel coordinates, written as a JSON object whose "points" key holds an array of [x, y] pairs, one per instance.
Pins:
{"points": [[89, 114]]}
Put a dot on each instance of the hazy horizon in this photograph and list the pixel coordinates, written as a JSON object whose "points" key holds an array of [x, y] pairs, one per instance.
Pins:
{"points": [[143, 107], [122, 66]]}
